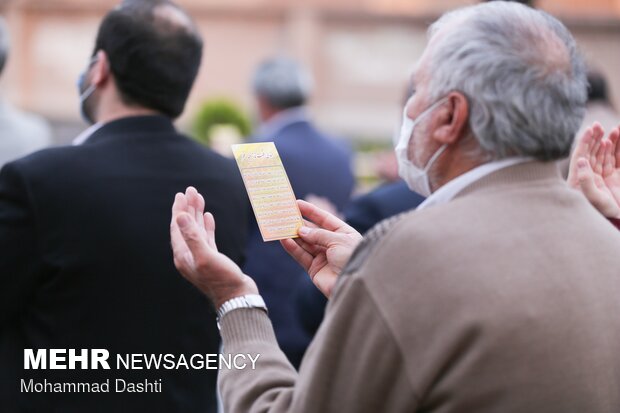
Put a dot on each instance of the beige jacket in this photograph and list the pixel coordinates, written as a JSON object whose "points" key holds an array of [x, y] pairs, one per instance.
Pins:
{"points": [[505, 300]]}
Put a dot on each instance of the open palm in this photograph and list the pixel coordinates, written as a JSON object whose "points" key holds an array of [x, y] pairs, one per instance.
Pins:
{"points": [[192, 233], [595, 169], [611, 167]]}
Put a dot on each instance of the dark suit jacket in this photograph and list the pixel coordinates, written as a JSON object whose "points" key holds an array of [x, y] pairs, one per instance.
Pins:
{"points": [[362, 214], [315, 164], [86, 263], [381, 203]]}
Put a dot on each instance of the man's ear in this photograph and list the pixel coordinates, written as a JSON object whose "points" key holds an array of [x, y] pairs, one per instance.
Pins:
{"points": [[451, 119], [100, 72]]}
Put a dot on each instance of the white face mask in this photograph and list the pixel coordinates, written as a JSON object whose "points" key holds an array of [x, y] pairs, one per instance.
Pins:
{"points": [[415, 177]]}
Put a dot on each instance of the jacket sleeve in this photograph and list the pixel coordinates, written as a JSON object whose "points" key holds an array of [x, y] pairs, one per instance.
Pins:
{"points": [[353, 364], [20, 262]]}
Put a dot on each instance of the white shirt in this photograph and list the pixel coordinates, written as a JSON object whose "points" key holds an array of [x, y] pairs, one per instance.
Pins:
{"points": [[447, 192], [282, 119], [83, 137]]}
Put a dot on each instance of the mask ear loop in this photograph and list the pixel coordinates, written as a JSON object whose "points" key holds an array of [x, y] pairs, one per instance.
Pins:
{"points": [[433, 158], [421, 116], [441, 150], [89, 91]]}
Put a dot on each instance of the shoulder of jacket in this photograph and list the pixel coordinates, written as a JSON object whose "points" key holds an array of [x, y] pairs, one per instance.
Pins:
{"points": [[45, 159], [426, 226]]}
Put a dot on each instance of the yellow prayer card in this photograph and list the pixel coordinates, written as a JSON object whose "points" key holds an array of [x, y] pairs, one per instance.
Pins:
{"points": [[269, 189]]}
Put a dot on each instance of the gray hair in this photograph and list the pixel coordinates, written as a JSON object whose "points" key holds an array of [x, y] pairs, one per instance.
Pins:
{"points": [[4, 43], [521, 72], [282, 82]]}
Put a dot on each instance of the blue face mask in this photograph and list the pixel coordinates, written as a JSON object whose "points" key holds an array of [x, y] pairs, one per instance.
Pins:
{"points": [[84, 95]]}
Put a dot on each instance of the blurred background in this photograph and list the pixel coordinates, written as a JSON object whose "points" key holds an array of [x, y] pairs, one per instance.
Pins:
{"points": [[359, 51]]}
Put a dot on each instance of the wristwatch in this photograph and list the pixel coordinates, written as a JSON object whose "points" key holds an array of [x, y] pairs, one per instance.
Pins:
{"points": [[244, 301]]}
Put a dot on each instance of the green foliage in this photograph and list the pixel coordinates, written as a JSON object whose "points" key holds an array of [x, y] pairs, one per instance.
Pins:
{"points": [[368, 145], [219, 112]]}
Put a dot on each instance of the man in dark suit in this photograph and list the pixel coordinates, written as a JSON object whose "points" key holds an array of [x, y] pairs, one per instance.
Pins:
{"points": [[86, 260], [362, 214], [316, 164]]}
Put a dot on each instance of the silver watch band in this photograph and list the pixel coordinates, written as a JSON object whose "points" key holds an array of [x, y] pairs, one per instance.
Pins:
{"points": [[244, 301]]}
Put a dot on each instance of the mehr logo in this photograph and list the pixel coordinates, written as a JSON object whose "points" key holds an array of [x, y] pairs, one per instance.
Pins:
{"points": [[58, 359]]}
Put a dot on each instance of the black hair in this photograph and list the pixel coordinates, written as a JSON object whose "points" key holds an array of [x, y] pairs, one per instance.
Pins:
{"points": [[154, 58], [4, 44], [3, 58], [597, 88]]}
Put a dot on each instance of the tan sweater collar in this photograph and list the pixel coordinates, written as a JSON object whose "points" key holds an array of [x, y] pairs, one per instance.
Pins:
{"points": [[534, 172]]}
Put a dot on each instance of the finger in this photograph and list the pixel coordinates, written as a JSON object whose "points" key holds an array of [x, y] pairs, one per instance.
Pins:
{"points": [[598, 133], [582, 149], [196, 243], [583, 144], [190, 206], [298, 253], [614, 137], [176, 238], [322, 218], [309, 224], [179, 247], [312, 249], [608, 158], [196, 202], [587, 183], [200, 208], [183, 258], [180, 203], [317, 236], [599, 160], [209, 223]]}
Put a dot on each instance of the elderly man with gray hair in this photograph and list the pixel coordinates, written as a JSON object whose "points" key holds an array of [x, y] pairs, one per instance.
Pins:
{"points": [[499, 294], [20, 132]]}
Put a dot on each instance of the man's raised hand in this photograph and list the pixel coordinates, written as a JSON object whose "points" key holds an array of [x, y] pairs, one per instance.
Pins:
{"points": [[192, 233], [324, 246], [595, 169]]}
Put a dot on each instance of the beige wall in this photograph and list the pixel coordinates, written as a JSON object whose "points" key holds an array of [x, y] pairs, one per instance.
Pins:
{"points": [[359, 50]]}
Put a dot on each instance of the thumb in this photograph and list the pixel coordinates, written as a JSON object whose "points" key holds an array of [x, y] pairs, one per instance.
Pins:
{"points": [[192, 237], [585, 175], [317, 236]]}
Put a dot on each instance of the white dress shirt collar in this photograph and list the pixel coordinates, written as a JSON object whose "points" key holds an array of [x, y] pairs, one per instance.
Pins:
{"points": [[448, 191], [282, 119], [83, 137]]}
